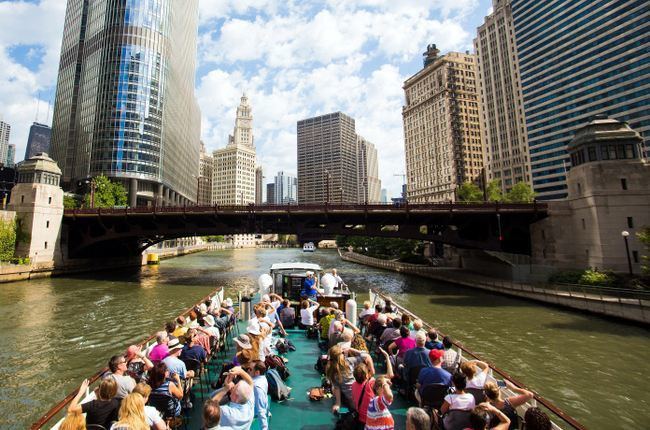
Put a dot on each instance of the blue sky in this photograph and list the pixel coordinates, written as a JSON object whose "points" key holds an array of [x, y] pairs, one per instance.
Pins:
{"points": [[293, 58]]}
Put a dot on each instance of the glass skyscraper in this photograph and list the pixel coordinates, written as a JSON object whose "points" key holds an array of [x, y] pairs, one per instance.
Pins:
{"points": [[577, 59], [39, 140], [125, 104]]}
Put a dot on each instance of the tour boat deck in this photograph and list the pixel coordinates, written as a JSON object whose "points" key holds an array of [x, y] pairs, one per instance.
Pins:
{"points": [[298, 412]]}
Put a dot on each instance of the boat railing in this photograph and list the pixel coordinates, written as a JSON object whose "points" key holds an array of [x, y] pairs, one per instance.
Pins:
{"points": [[57, 409], [463, 350]]}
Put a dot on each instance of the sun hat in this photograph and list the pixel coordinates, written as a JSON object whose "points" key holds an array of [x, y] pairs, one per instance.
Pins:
{"points": [[228, 302], [174, 344], [243, 341], [203, 309], [253, 328], [209, 320], [194, 324]]}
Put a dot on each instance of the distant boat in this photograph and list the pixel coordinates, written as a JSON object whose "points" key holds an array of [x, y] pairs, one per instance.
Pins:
{"points": [[309, 247]]}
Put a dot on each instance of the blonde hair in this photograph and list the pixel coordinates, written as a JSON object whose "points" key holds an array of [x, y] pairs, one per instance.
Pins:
{"points": [[73, 421], [132, 413], [366, 304], [417, 324], [142, 389], [469, 369], [336, 367], [492, 391], [379, 383]]}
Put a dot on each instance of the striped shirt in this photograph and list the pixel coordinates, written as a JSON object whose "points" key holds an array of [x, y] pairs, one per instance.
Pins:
{"points": [[379, 417]]}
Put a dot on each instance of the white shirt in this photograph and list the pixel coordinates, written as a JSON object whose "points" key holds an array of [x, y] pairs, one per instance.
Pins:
{"points": [[339, 281], [152, 415], [272, 315], [307, 315], [478, 381], [366, 312], [464, 402]]}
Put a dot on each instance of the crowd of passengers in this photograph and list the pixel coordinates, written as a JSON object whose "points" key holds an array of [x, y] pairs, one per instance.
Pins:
{"points": [[149, 389]]}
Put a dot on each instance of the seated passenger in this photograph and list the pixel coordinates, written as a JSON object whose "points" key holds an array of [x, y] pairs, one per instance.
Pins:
{"points": [[136, 362], [432, 375], [325, 322], [165, 383], [257, 371], [417, 328], [307, 309], [451, 358], [432, 340], [209, 326], [339, 371], [170, 327], [366, 312], [211, 415], [418, 356], [288, 315], [482, 415], [73, 421], [101, 411], [337, 327], [459, 400], [345, 341], [192, 350], [180, 327], [151, 414], [160, 351], [131, 414], [245, 353], [508, 405], [417, 419], [377, 329], [363, 385], [125, 383], [391, 333], [371, 320], [476, 372], [239, 412], [388, 306], [406, 321], [402, 344], [174, 364], [379, 417], [536, 419]]}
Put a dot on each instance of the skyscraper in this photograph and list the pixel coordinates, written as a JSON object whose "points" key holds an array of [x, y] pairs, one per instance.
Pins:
{"points": [[125, 104], [442, 127], [10, 161], [285, 189], [5, 131], [38, 140], [204, 180], [577, 59], [502, 122], [327, 159], [270, 194], [259, 185], [367, 172]]}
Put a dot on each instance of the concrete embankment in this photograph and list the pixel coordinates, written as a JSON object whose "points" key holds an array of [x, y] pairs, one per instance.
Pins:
{"points": [[628, 306]]}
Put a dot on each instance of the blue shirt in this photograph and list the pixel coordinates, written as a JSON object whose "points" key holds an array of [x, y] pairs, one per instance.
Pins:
{"points": [[433, 375], [308, 287], [235, 416], [261, 389], [175, 366], [417, 357], [434, 345], [197, 352]]}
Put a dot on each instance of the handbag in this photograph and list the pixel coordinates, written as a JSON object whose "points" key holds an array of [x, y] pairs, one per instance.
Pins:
{"points": [[316, 393], [350, 420]]}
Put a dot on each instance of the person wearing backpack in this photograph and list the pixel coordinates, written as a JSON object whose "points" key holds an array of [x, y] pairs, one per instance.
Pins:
{"points": [[257, 371], [240, 411]]}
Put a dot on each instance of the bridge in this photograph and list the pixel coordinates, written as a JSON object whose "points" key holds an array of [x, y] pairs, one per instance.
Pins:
{"points": [[94, 233]]}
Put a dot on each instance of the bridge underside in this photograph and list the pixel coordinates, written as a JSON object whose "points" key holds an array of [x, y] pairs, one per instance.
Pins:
{"points": [[108, 233]]}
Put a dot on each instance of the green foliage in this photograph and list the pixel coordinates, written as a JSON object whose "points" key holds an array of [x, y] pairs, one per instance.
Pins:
{"points": [[386, 248], [596, 278], [644, 237], [566, 277], [7, 240], [214, 238], [493, 191], [521, 192], [108, 194], [70, 202], [469, 192], [288, 239]]}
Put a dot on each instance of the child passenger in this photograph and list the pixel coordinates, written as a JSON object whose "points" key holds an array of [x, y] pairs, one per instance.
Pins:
{"points": [[379, 417]]}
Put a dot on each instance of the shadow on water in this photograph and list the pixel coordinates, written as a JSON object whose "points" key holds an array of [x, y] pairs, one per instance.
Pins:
{"points": [[588, 324], [475, 301]]}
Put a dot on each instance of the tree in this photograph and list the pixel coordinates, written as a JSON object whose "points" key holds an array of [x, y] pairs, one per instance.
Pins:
{"points": [[644, 237], [108, 194], [521, 192], [7, 239], [493, 191], [469, 192], [70, 202]]}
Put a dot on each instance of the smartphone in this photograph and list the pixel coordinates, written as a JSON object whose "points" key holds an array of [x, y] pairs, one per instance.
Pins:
{"points": [[501, 383]]}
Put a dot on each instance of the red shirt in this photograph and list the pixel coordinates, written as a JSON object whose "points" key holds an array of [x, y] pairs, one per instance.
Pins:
{"points": [[367, 396]]}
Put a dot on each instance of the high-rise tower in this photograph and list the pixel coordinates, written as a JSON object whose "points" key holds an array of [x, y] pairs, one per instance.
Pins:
{"points": [[38, 140], [5, 131], [125, 104], [368, 172]]}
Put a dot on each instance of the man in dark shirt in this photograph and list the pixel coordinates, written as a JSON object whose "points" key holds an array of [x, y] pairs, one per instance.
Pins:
{"points": [[418, 356], [192, 350], [432, 340]]}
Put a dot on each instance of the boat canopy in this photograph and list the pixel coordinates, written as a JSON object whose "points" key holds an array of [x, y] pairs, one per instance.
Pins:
{"points": [[296, 266]]}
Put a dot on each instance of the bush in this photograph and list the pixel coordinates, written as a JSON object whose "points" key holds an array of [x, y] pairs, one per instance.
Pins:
{"points": [[7, 240], [596, 278], [566, 277]]}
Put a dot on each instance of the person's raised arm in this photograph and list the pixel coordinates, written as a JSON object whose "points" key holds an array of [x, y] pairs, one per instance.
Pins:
{"points": [[354, 328], [392, 347], [389, 365], [388, 394], [226, 310], [238, 371], [75, 407], [176, 390], [484, 367], [522, 395], [148, 365], [222, 393]]}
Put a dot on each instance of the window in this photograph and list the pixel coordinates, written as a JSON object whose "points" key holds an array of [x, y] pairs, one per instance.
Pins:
{"points": [[584, 225], [47, 224], [49, 200], [45, 245], [635, 256], [624, 183], [22, 199], [630, 222]]}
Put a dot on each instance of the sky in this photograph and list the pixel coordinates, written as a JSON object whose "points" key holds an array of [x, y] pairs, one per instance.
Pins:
{"points": [[294, 59]]}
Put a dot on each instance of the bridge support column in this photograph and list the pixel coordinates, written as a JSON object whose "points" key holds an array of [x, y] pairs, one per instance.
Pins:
{"points": [[133, 193], [166, 201], [158, 199]]}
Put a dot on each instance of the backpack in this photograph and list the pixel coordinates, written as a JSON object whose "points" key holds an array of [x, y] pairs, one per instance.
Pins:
{"points": [[312, 332], [281, 346], [320, 364], [278, 390], [276, 363]]}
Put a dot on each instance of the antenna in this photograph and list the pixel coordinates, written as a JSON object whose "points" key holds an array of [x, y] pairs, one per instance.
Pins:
{"points": [[47, 119], [38, 106]]}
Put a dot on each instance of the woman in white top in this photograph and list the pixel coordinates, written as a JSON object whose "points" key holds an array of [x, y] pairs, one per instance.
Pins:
{"points": [[476, 372], [307, 313], [460, 400]]}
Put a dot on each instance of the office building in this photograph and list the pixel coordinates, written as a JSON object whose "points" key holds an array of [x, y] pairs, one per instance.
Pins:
{"points": [[125, 104], [10, 161], [384, 196], [367, 172], [270, 194], [259, 185], [38, 140], [442, 127], [578, 59], [5, 132], [204, 180], [503, 124], [285, 189], [327, 159]]}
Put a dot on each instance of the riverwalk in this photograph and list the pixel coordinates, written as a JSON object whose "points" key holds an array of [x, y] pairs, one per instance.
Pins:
{"points": [[633, 306]]}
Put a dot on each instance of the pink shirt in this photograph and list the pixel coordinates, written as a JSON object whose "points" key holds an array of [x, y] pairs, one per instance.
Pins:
{"points": [[159, 352], [403, 345], [367, 396]]}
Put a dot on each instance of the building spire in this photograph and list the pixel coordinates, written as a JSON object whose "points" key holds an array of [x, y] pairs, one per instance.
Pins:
{"points": [[243, 132]]}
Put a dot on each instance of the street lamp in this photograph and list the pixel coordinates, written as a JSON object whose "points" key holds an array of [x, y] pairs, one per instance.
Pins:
{"points": [[625, 234], [93, 186]]}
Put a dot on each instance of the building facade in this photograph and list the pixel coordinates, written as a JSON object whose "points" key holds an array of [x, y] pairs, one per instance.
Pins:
{"points": [[327, 159], [367, 172], [204, 180], [38, 140], [125, 104], [270, 194], [503, 124], [259, 185], [285, 189], [5, 132], [577, 59], [442, 132], [11, 155]]}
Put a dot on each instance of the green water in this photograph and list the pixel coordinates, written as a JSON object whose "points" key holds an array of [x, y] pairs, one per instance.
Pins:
{"points": [[58, 331]]}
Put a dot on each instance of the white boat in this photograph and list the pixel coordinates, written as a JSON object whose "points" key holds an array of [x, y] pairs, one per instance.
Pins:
{"points": [[309, 247]]}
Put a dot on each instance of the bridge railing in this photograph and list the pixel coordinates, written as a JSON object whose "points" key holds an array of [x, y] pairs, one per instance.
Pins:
{"points": [[370, 207]]}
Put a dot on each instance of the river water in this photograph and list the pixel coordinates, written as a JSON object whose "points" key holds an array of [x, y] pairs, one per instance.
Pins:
{"points": [[58, 331]]}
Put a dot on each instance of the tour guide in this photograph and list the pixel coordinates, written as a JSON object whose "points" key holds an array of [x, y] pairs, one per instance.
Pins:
{"points": [[309, 287]]}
